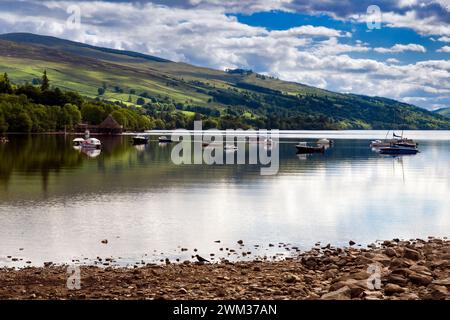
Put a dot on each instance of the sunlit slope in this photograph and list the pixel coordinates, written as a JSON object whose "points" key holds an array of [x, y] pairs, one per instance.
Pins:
{"points": [[444, 111]]}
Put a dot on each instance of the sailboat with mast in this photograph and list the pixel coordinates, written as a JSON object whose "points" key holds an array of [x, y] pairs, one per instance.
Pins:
{"points": [[398, 145], [396, 139]]}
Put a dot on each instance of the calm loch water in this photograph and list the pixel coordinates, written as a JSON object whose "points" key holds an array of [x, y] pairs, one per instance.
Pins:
{"points": [[58, 204]]}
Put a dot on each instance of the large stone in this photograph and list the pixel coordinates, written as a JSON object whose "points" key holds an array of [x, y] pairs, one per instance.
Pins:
{"points": [[390, 252], [438, 292], [330, 274], [442, 282], [392, 288], [420, 279], [408, 296], [343, 293], [411, 254], [421, 269], [372, 295], [397, 279], [402, 271], [291, 278], [383, 259], [399, 263], [357, 287], [361, 260]]}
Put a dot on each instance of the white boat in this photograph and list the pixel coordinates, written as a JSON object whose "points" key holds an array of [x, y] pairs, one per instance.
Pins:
{"points": [[140, 139], [164, 139], [303, 147], [77, 142], [378, 143], [92, 143]]}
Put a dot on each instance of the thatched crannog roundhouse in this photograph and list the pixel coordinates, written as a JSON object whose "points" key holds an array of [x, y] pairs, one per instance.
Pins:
{"points": [[108, 126]]}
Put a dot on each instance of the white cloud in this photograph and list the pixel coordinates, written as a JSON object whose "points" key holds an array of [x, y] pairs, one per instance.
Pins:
{"points": [[398, 48], [392, 60], [444, 39], [424, 25], [444, 49], [311, 31]]}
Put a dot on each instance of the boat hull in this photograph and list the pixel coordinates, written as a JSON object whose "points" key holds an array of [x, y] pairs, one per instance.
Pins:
{"points": [[91, 146], [306, 149], [390, 150], [140, 140]]}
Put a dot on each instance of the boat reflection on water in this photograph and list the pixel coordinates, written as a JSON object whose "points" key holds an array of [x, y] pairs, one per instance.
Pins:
{"points": [[139, 147], [91, 153]]}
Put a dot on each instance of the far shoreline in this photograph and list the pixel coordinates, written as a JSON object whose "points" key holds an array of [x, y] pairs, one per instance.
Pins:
{"points": [[161, 131]]}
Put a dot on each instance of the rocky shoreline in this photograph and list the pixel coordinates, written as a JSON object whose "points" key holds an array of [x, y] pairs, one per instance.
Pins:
{"points": [[407, 270]]}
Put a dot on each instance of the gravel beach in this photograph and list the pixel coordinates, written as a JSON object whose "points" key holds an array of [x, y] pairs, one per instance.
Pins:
{"points": [[396, 269]]}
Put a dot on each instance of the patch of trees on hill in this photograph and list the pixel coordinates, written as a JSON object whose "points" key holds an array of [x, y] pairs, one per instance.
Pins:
{"points": [[31, 108]]}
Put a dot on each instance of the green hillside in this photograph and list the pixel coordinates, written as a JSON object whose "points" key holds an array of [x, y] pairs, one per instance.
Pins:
{"points": [[443, 111], [236, 98]]}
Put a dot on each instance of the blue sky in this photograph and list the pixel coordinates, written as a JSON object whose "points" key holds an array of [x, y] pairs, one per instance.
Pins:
{"points": [[322, 43], [383, 37]]}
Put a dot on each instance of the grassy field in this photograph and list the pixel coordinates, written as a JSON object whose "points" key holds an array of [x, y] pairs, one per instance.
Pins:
{"points": [[86, 70]]}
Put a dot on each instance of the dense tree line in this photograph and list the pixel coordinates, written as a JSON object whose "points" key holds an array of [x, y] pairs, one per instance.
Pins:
{"points": [[31, 108], [39, 107]]}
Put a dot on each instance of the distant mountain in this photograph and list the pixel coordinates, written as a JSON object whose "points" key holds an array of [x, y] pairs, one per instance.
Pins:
{"points": [[162, 85], [443, 111]]}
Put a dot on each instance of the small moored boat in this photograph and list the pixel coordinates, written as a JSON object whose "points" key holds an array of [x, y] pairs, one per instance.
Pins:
{"points": [[303, 147], [140, 139], [164, 139], [396, 140], [387, 143]]}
